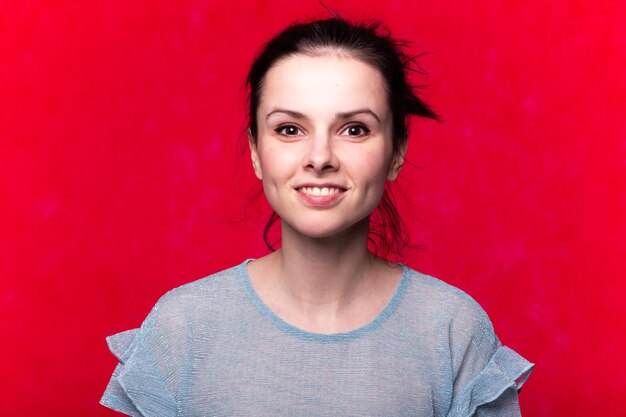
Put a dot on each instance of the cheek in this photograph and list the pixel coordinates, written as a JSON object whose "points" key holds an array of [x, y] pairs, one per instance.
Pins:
{"points": [[375, 165], [277, 166]]}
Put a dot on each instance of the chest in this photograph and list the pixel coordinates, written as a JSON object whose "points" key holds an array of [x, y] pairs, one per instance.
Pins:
{"points": [[257, 377]]}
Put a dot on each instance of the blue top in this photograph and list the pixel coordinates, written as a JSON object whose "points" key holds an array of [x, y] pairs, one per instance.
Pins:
{"points": [[213, 348]]}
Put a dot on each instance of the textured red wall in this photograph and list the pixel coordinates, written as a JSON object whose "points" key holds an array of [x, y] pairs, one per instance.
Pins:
{"points": [[120, 178]]}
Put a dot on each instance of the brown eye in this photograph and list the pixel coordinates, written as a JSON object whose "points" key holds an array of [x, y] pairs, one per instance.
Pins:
{"points": [[289, 130], [355, 131]]}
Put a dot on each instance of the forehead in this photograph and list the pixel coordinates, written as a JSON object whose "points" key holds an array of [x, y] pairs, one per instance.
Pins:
{"points": [[323, 83]]}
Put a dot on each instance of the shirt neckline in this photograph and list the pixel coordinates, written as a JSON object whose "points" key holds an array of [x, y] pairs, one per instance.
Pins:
{"points": [[242, 271]]}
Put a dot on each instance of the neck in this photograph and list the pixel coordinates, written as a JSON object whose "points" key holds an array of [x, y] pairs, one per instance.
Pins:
{"points": [[324, 271], [325, 285]]}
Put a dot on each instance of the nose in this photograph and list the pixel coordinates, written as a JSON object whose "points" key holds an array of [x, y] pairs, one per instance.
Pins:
{"points": [[320, 157]]}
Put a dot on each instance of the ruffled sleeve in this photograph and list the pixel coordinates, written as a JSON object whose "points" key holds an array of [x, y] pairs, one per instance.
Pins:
{"points": [[485, 375], [153, 360], [137, 387], [493, 392]]}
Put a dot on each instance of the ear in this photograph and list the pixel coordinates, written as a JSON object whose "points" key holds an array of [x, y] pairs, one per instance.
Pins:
{"points": [[396, 163], [254, 154]]}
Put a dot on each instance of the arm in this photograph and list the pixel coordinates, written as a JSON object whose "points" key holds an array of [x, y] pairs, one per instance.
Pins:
{"points": [[146, 380], [487, 375]]}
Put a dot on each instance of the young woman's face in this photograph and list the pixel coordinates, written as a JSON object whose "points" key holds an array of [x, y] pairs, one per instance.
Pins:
{"points": [[324, 146]]}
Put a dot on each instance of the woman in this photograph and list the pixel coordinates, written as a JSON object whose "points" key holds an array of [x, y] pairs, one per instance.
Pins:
{"points": [[321, 326]]}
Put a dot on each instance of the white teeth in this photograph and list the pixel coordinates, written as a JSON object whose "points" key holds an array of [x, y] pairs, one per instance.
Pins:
{"points": [[316, 191]]}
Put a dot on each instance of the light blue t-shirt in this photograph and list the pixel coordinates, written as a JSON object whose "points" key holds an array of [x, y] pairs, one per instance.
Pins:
{"points": [[213, 348]]}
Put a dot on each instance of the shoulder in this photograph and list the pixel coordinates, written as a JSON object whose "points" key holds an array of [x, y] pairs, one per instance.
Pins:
{"points": [[208, 295], [461, 327], [454, 316], [442, 299], [155, 357], [224, 280]]}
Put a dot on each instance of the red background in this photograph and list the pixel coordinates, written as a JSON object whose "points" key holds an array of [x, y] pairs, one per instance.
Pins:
{"points": [[121, 178]]}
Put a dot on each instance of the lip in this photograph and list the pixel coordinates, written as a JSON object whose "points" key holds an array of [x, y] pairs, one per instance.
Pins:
{"points": [[324, 201]]}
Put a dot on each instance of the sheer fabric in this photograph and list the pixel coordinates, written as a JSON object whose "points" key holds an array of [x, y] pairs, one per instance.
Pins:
{"points": [[213, 348]]}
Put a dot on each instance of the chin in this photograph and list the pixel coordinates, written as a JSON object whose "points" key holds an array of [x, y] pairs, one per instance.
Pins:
{"points": [[324, 230]]}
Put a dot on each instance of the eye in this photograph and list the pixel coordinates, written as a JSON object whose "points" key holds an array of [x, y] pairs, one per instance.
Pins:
{"points": [[355, 131], [289, 130]]}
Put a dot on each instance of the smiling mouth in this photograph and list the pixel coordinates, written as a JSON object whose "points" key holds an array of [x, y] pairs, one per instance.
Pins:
{"points": [[320, 191]]}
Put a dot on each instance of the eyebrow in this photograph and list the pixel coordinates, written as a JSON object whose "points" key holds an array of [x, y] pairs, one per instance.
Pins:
{"points": [[294, 114], [353, 113], [341, 115]]}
